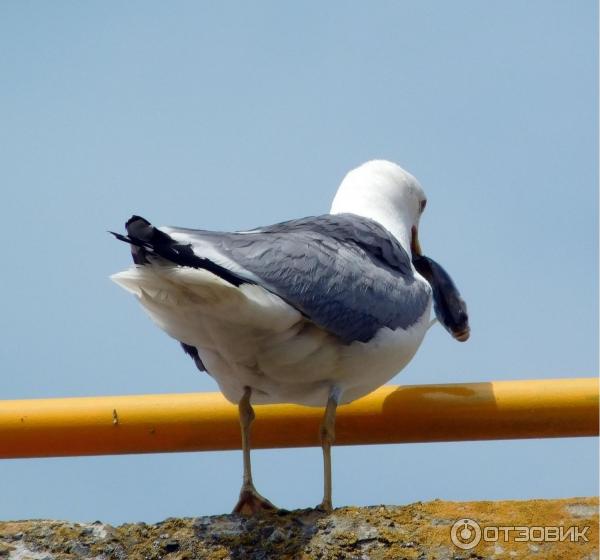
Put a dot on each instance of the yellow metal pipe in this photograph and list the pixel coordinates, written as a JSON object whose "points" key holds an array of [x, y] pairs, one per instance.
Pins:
{"points": [[206, 421]]}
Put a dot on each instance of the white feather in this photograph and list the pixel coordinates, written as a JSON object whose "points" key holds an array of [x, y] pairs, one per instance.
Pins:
{"points": [[248, 336]]}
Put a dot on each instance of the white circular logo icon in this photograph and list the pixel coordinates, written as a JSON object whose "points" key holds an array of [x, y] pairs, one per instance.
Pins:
{"points": [[465, 534]]}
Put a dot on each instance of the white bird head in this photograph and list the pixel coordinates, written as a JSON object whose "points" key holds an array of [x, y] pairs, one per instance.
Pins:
{"points": [[384, 192]]}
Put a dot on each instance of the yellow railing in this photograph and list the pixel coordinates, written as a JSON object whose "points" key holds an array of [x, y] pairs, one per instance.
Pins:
{"points": [[206, 421]]}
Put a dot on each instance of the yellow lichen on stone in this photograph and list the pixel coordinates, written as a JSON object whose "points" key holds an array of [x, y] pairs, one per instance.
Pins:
{"points": [[414, 532]]}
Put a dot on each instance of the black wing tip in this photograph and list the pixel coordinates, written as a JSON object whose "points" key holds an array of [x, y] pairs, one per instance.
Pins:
{"points": [[147, 239], [192, 352], [120, 237], [136, 218]]}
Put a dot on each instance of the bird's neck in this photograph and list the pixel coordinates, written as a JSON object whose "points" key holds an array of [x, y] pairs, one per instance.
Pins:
{"points": [[392, 220]]}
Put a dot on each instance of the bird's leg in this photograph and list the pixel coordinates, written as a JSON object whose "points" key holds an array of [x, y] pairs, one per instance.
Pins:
{"points": [[250, 500], [327, 433]]}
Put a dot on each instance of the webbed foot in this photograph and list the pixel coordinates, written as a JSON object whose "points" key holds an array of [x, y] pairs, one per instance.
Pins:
{"points": [[251, 502]]}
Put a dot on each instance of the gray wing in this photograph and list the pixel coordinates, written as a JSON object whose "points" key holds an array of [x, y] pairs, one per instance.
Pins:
{"points": [[346, 273]]}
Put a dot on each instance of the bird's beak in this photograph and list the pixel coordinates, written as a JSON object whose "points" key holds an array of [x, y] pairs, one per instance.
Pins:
{"points": [[415, 246], [463, 335]]}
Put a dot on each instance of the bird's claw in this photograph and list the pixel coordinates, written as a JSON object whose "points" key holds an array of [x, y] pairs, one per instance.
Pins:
{"points": [[325, 506], [251, 503]]}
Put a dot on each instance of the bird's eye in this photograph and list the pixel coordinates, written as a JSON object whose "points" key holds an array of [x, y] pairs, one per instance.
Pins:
{"points": [[422, 206]]}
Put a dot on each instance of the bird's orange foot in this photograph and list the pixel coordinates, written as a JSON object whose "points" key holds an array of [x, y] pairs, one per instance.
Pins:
{"points": [[251, 502]]}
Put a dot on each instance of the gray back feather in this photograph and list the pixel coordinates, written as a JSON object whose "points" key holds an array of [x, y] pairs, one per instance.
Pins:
{"points": [[346, 273]]}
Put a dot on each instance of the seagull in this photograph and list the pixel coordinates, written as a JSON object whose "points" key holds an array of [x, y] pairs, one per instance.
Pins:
{"points": [[315, 311]]}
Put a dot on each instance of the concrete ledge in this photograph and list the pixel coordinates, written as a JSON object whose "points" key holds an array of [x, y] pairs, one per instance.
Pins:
{"points": [[416, 531]]}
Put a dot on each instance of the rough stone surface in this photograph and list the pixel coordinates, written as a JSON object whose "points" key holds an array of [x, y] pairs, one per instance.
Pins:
{"points": [[420, 531]]}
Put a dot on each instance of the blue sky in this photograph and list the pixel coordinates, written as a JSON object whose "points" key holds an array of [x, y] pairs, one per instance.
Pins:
{"points": [[232, 115]]}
